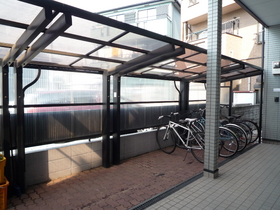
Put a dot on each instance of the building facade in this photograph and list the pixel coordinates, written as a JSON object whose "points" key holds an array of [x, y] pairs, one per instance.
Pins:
{"points": [[161, 17], [241, 34]]}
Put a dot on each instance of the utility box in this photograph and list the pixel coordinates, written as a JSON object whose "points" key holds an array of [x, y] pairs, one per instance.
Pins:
{"points": [[276, 67], [244, 98]]}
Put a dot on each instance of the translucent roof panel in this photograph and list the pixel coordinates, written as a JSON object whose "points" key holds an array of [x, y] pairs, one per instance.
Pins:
{"points": [[180, 65], [230, 74], [246, 70], [91, 29], [164, 63], [197, 69], [96, 64], [141, 42], [225, 62], [189, 53], [72, 45], [18, 11], [143, 70], [55, 59], [10, 34], [183, 74], [201, 58], [168, 73], [160, 72], [3, 51], [99, 43], [116, 53]]}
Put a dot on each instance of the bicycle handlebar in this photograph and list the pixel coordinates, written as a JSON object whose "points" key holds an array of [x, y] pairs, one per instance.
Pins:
{"points": [[169, 116]]}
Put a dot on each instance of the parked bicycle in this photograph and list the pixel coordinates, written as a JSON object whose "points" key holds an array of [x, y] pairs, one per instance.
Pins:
{"points": [[238, 118], [238, 129], [170, 136]]}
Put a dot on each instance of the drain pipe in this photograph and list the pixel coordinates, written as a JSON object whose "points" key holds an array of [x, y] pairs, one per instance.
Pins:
{"points": [[261, 95], [33, 82]]}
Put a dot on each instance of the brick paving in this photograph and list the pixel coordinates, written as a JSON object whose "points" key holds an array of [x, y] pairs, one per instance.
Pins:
{"points": [[118, 187]]}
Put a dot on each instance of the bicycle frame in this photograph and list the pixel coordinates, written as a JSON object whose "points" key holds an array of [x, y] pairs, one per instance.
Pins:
{"points": [[172, 125]]}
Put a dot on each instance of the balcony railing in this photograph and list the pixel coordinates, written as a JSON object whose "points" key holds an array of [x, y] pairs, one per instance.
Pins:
{"points": [[231, 27]]}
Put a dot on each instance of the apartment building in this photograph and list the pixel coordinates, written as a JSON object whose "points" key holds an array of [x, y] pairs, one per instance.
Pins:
{"points": [[159, 16], [241, 34]]}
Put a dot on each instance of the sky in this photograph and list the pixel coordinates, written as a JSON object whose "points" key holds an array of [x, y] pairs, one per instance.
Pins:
{"points": [[100, 5]]}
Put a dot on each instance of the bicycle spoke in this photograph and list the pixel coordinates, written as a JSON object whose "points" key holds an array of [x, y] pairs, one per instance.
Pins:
{"points": [[165, 139]]}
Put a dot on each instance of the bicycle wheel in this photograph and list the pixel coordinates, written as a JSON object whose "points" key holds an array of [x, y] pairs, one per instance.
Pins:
{"points": [[241, 135], [247, 129], [165, 139], [228, 142], [197, 147], [254, 129]]}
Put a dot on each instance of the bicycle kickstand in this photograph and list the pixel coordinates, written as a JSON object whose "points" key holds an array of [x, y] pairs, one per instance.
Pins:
{"points": [[186, 154]]}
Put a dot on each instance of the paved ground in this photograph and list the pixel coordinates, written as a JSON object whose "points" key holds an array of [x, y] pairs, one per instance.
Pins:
{"points": [[118, 187], [250, 181], [147, 182]]}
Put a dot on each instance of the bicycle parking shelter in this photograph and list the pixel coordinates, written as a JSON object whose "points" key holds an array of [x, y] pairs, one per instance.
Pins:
{"points": [[147, 55]]}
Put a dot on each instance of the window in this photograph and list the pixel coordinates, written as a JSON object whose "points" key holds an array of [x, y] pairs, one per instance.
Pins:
{"points": [[145, 15], [118, 18]]}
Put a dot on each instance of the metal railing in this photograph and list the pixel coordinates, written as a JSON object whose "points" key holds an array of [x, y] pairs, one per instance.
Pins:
{"points": [[231, 27]]}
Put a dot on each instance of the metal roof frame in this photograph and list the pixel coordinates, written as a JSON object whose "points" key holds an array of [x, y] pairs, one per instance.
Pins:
{"points": [[127, 50]]}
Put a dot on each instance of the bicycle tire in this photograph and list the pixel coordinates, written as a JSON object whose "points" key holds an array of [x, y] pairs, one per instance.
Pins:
{"points": [[228, 142], [254, 129], [198, 126], [165, 139], [241, 135], [247, 129], [198, 147]]}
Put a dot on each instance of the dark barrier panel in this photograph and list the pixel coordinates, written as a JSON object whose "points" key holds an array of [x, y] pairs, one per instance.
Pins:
{"points": [[56, 126], [138, 116], [47, 127]]}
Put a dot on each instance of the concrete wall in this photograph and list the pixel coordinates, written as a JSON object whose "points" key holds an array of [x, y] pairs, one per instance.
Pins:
{"points": [[271, 114], [43, 165]]}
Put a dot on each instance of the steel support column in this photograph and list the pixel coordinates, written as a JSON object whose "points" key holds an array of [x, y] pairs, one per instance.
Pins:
{"points": [[116, 119], [184, 96], [106, 121], [230, 98], [213, 88], [261, 94], [260, 113], [7, 138], [20, 137]]}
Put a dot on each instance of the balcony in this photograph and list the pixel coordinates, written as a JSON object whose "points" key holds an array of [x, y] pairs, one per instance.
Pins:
{"points": [[230, 27]]}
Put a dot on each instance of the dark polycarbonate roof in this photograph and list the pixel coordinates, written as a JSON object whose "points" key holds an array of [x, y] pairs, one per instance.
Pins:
{"points": [[48, 34]]}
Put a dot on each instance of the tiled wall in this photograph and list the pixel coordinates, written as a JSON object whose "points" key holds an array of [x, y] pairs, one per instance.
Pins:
{"points": [[56, 163], [271, 114]]}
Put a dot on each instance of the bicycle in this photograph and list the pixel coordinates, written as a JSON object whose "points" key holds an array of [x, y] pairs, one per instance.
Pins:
{"points": [[237, 128], [253, 126], [168, 138]]}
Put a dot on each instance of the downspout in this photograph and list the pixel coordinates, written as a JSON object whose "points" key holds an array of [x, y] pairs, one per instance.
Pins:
{"points": [[261, 96], [33, 82]]}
